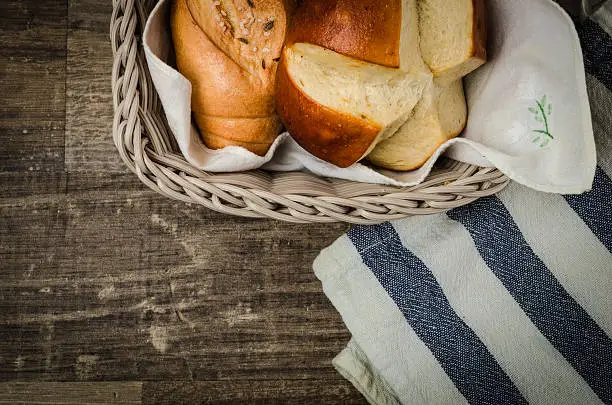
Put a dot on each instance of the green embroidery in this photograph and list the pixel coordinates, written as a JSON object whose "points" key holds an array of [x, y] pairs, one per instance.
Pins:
{"points": [[541, 114]]}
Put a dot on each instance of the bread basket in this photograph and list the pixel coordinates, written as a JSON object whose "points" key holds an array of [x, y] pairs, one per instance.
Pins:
{"points": [[147, 146]]}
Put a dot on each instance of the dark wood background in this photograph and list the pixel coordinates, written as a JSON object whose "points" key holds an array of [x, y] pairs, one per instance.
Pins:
{"points": [[111, 293], [102, 280]]}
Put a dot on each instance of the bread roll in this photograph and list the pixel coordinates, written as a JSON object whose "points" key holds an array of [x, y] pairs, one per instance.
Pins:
{"points": [[229, 51], [348, 76], [441, 115]]}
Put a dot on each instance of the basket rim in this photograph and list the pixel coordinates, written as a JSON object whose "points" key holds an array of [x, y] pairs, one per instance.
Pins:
{"points": [[146, 145]]}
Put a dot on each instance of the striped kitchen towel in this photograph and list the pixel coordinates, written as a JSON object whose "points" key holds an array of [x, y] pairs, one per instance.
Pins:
{"points": [[505, 301]]}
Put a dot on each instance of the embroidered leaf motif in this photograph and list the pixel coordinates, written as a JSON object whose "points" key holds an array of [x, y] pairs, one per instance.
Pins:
{"points": [[541, 112]]}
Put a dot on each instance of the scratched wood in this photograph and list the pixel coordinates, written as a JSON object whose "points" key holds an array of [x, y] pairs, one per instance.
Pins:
{"points": [[251, 392], [125, 284], [89, 113], [67, 393], [32, 101], [104, 280]]}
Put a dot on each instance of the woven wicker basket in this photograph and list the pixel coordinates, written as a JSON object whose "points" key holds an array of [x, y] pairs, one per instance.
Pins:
{"points": [[147, 146]]}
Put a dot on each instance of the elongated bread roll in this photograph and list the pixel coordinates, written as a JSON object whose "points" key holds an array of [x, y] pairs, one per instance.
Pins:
{"points": [[229, 51]]}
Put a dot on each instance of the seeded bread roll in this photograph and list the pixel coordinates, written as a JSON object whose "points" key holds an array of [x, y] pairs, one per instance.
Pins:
{"points": [[229, 52]]}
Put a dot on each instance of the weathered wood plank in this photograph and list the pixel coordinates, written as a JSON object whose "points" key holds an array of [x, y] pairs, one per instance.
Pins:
{"points": [[32, 88], [264, 392], [89, 113], [128, 285], [25, 183], [71, 393]]}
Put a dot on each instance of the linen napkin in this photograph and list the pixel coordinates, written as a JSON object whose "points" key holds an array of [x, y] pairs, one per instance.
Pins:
{"points": [[529, 113], [505, 301]]}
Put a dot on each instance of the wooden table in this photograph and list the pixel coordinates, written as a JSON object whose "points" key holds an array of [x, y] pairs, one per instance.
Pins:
{"points": [[111, 293]]}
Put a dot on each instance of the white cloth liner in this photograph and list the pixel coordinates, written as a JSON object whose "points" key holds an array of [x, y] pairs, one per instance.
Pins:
{"points": [[534, 52]]}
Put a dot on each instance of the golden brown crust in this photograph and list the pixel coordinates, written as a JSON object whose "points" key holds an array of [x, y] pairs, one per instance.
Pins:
{"points": [[354, 28], [221, 88], [335, 137], [362, 29], [249, 32], [479, 31], [254, 134], [402, 167]]}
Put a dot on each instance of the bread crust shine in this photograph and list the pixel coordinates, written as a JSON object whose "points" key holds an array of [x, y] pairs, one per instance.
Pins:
{"points": [[355, 28], [333, 136], [365, 30], [479, 31], [241, 77]]}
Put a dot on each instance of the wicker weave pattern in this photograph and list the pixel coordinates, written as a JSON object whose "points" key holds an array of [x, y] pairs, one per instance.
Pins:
{"points": [[147, 146]]}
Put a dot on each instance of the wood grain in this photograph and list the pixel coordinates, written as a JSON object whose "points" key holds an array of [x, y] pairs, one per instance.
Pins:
{"points": [[32, 101], [71, 393], [89, 113], [278, 392], [151, 288]]}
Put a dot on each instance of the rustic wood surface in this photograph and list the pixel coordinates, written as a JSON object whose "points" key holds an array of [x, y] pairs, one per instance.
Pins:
{"points": [[77, 393], [104, 281]]}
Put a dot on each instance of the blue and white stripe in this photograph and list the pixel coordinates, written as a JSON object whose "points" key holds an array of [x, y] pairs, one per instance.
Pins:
{"points": [[538, 370], [511, 306], [595, 207], [421, 300], [567, 326]]}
